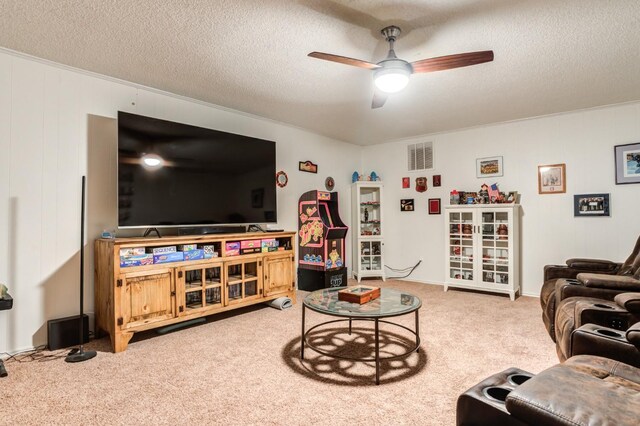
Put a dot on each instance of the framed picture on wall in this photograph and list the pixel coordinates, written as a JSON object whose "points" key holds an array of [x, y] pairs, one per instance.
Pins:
{"points": [[307, 166], [434, 205], [627, 163], [489, 167], [406, 205], [590, 205], [552, 179]]}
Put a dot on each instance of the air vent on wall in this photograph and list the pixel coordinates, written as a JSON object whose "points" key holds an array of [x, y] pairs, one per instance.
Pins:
{"points": [[420, 156]]}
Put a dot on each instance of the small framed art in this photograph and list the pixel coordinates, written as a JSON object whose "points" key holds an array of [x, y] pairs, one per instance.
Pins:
{"points": [[434, 205], [437, 180], [307, 166], [406, 183], [406, 205], [489, 167], [591, 205], [627, 163], [552, 179]]}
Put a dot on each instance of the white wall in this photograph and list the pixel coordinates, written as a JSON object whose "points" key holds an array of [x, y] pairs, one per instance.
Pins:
{"points": [[44, 111], [584, 140], [44, 115]]}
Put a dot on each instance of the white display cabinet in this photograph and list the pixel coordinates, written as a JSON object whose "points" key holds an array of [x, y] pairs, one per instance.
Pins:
{"points": [[482, 243], [367, 230]]}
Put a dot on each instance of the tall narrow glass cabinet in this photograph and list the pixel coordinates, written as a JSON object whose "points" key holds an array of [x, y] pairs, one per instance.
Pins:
{"points": [[367, 230]]}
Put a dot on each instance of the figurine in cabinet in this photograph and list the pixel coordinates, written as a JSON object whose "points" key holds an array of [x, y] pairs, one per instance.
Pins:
{"points": [[503, 232], [483, 195]]}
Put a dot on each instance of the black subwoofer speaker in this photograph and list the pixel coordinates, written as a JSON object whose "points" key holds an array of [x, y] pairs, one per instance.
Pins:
{"points": [[65, 332]]}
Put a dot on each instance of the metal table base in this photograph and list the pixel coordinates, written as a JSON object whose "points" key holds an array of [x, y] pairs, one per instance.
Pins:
{"points": [[377, 359]]}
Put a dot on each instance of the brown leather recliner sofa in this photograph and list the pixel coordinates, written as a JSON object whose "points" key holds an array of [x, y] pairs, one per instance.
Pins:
{"points": [[599, 327], [602, 279], [585, 390]]}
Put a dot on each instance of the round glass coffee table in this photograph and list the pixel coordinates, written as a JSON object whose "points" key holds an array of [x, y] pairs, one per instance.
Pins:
{"points": [[391, 303]]}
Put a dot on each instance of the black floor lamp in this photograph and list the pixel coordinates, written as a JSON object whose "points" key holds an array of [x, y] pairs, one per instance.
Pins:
{"points": [[80, 354]]}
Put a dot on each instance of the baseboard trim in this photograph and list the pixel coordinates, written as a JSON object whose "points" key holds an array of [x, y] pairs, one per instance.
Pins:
{"points": [[440, 283]]}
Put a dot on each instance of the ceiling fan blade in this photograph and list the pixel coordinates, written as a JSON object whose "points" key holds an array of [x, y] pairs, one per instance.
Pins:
{"points": [[452, 61], [343, 60], [379, 99]]}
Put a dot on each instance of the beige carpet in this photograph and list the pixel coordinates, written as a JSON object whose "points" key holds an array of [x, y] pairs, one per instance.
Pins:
{"points": [[244, 368]]}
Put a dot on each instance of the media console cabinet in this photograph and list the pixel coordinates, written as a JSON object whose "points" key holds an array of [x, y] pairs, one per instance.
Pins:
{"points": [[136, 298]]}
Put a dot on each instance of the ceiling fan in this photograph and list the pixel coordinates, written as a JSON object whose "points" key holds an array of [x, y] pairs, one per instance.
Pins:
{"points": [[392, 73]]}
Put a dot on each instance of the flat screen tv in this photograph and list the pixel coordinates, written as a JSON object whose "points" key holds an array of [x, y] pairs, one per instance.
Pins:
{"points": [[172, 175]]}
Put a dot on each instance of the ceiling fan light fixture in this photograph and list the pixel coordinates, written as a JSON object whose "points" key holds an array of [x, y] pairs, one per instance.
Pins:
{"points": [[392, 82], [392, 76]]}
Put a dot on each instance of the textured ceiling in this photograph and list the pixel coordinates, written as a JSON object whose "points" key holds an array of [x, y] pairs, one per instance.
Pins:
{"points": [[550, 56]]}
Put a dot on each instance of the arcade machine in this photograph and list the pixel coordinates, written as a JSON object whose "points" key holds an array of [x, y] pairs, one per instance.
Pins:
{"points": [[321, 242]]}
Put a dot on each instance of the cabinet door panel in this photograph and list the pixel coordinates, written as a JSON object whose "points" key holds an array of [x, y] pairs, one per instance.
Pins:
{"points": [[148, 297], [199, 288], [278, 275], [243, 280]]}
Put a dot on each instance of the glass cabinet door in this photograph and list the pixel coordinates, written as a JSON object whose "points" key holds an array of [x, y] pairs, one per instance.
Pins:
{"points": [[371, 256], [495, 247], [202, 287], [461, 245], [370, 214], [243, 281]]}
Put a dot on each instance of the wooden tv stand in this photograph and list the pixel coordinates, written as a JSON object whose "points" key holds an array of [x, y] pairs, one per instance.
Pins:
{"points": [[136, 298]]}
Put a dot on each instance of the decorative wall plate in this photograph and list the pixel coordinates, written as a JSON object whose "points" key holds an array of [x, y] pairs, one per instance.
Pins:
{"points": [[281, 179], [421, 184], [329, 183]]}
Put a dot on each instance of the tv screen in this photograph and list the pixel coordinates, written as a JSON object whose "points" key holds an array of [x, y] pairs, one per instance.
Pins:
{"points": [[172, 174]]}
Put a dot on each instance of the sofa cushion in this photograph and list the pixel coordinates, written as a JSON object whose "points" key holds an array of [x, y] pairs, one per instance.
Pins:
{"points": [[585, 390]]}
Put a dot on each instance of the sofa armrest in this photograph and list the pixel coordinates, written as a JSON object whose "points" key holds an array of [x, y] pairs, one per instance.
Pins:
{"points": [[603, 313], [633, 335], [592, 339], [563, 271], [619, 282], [593, 265], [574, 288], [629, 301], [562, 395]]}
